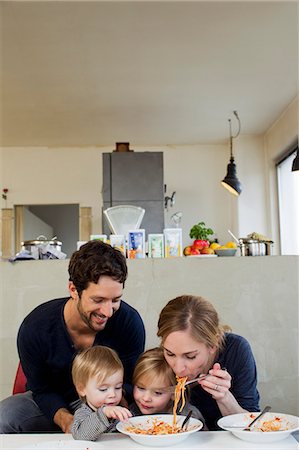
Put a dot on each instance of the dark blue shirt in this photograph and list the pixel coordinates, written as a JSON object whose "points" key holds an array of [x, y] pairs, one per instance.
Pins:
{"points": [[238, 359], [46, 351]]}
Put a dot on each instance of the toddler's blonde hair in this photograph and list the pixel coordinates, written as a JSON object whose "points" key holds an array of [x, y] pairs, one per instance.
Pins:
{"points": [[98, 361], [152, 365]]}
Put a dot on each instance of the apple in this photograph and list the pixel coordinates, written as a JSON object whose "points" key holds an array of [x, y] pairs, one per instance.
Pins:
{"points": [[187, 250], [194, 251], [207, 251], [200, 244]]}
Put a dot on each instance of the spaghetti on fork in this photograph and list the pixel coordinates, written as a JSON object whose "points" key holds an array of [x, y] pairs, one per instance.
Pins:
{"points": [[179, 394]]}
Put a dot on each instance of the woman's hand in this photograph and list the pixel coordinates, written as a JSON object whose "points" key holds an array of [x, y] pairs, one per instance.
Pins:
{"points": [[116, 412], [218, 382]]}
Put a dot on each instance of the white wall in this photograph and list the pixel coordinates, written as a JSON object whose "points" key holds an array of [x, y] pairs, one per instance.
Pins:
{"points": [[195, 172], [34, 226], [277, 140], [74, 175], [252, 203]]}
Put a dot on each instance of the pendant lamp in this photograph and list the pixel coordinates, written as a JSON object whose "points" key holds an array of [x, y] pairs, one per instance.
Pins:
{"points": [[295, 165], [231, 182]]}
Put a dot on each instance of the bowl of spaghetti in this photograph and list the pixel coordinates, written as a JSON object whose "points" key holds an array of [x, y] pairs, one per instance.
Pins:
{"points": [[270, 428], [158, 430]]}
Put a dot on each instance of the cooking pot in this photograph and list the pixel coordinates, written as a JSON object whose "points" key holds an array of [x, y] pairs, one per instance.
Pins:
{"points": [[254, 247], [37, 247]]}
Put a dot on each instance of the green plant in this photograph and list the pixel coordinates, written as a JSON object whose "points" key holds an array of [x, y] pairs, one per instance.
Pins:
{"points": [[199, 231]]}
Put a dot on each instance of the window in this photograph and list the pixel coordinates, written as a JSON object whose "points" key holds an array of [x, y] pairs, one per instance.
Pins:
{"points": [[288, 198]]}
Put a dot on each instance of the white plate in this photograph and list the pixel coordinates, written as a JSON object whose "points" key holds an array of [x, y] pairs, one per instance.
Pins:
{"points": [[288, 425], [162, 440], [59, 445]]}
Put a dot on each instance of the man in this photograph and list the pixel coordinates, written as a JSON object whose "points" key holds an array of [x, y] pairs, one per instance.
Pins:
{"points": [[54, 332]]}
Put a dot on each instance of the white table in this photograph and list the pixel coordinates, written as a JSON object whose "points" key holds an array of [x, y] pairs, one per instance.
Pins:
{"points": [[205, 440]]}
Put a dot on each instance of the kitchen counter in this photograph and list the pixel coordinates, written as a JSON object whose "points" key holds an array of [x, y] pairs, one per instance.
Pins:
{"points": [[256, 296]]}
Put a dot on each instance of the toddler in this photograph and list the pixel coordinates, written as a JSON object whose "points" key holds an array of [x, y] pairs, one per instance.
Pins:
{"points": [[151, 378], [98, 377]]}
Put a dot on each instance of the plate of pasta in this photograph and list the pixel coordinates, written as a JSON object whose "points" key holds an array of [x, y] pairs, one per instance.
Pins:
{"points": [[158, 430], [270, 428]]}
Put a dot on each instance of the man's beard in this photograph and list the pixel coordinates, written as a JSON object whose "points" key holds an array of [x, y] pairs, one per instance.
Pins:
{"points": [[87, 320]]}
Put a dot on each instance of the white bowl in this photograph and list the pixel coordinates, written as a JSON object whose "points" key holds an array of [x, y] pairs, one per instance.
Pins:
{"points": [[288, 424], [161, 440]]}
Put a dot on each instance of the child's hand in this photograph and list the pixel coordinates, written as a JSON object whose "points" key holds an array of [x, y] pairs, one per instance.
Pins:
{"points": [[116, 412]]}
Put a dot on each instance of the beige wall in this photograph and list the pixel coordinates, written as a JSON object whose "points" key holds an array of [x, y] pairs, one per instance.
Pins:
{"points": [[74, 175], [256, 296]]}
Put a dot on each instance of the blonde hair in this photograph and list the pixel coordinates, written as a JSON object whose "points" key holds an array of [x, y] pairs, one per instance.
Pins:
{"points": [[98, 361], [195, 314], [152, 364]]}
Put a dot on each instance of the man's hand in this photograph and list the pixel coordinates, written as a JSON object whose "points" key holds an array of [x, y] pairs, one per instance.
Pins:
{"points": [[64, 419]]}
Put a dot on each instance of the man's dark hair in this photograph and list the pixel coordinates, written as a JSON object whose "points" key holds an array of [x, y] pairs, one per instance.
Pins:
{"points": [[93, 260]]}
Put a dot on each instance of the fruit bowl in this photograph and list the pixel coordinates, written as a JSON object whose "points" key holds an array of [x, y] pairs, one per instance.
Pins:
{"points": [[225, 251]]}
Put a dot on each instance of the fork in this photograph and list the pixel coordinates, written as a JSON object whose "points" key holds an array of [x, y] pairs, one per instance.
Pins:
{"points": [[186, 421], [248, 427], [188, 383], [266, 409]]}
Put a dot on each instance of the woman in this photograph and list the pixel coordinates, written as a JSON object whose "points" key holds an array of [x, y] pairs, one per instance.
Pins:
{"points": [[194, 342]]}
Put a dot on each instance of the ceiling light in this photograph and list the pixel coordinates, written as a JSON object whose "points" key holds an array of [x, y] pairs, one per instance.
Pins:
{"points": [[231, 182], [295, 165]]}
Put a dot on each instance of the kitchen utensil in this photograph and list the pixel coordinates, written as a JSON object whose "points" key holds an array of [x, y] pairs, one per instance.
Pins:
{"points": [[252, 247], [266, 409], [269, 248], [189, 383], [122, 218], [234, 237], [185, 423], [38, 245], [225, 251]]}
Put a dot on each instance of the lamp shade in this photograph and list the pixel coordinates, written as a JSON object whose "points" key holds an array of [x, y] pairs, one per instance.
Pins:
{"points": [[295, 165], [231, 182]]}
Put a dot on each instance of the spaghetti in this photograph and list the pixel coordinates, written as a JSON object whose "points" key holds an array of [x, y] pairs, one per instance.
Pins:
{"points": [[272, 425], [157, 427], [179, 394]]}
